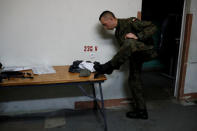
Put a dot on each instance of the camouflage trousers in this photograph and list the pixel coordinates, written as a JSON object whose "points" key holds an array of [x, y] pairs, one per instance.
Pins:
{"points": [[137, 53]]}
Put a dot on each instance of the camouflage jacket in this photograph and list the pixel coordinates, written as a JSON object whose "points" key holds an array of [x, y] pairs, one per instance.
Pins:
{"points": [[142, 29]]}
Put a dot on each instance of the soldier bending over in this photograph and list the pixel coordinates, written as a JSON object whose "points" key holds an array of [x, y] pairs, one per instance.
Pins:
{"points": [[136, 45]]}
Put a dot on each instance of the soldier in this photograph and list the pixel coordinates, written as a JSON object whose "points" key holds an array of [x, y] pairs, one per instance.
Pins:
{"points": [[136, 45]]}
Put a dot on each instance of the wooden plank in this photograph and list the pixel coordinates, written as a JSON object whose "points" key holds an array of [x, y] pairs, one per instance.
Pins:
{"points": [[61, 76]]}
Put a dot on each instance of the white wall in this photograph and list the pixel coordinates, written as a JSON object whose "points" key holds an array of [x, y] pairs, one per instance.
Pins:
{"points": [[191, 74], [54, 32]]}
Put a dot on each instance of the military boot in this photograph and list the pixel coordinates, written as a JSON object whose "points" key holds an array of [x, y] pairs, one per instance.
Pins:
{"points": [[137, 114], [106, 68]]}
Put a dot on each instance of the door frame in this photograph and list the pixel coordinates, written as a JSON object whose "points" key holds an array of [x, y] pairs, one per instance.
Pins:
{"points": [[178, 72], [183, 54]]}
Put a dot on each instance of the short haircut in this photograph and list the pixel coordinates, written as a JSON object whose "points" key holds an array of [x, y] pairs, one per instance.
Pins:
{"points": [[106, 13]]}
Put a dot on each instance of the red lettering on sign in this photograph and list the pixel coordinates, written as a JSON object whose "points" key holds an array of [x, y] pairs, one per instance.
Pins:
{"points": [[90, 48]]}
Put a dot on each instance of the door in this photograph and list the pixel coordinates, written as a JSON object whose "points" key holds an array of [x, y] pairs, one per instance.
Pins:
{"points": [[168, 38]]}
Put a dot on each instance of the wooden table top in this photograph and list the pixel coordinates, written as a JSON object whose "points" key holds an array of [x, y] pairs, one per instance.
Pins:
{"points": [[61, 76]]}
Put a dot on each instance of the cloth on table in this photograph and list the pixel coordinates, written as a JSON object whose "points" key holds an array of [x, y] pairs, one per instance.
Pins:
{"points": [[87, 65], [83, 67], [74, 68]]}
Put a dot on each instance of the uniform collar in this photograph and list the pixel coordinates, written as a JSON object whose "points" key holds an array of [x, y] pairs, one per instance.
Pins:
{"points": [[118, 24]]}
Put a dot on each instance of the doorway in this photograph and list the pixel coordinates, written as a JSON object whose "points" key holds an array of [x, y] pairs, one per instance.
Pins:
{"points": [[167, 16]]}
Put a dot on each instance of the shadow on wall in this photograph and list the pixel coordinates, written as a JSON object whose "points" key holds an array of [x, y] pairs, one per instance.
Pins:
{"points": [[104, 34], [125, 70], [107, 35], [41, 92]]}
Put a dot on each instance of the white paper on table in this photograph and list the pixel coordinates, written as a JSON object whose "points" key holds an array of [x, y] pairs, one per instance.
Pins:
{"points": [[16, 68], [43, 70]]}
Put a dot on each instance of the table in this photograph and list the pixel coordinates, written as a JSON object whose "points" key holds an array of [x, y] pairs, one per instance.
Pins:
{"points": [[62, 77]]}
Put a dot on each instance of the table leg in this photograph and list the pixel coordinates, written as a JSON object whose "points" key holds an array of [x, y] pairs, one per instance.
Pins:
{"points": [[102, 107]]}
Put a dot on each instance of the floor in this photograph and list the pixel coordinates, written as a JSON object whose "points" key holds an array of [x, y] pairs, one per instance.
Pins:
{"points": [[165, 114]]}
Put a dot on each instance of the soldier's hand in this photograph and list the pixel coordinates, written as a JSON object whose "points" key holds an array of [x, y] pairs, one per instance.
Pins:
{"points": [[131, 36]]}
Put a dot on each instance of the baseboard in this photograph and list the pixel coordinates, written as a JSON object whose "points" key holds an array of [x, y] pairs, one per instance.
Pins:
{"points": [[107, 103], [190, 97]]}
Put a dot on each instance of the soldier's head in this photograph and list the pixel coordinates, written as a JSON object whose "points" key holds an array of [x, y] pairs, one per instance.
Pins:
{"points": [[108, 20]]}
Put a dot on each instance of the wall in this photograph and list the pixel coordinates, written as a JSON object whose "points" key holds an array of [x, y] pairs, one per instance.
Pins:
{"points": [[191, 75], [54, 32]]}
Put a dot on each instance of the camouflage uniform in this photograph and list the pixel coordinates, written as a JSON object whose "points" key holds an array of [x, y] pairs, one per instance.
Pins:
{"points": [[136, 51]]}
